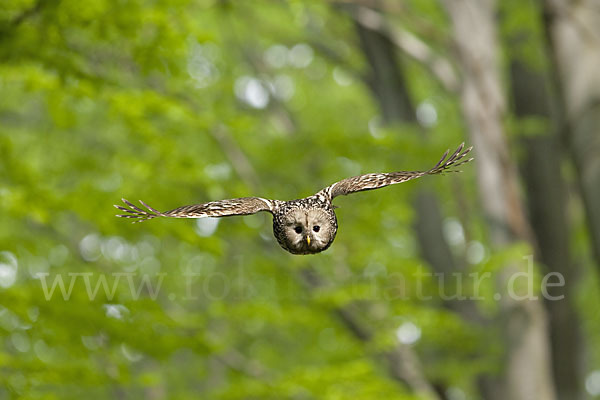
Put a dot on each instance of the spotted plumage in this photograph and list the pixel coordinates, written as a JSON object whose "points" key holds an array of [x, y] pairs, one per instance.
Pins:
{"points": [[302, 226]]}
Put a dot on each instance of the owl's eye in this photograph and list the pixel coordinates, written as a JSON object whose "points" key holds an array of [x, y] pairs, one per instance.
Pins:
{"points": [[316, 228], [298, 229]]}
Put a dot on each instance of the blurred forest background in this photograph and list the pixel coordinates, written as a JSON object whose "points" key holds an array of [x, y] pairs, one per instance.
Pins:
{"points": [[177, 102]]}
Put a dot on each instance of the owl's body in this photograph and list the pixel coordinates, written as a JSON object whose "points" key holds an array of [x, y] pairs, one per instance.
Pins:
{"points": [[301, 226]]}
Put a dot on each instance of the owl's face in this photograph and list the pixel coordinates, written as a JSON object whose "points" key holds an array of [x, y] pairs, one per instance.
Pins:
{"points": [[308, 231]]}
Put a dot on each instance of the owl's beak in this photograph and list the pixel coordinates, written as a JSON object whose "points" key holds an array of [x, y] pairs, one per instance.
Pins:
{"points": [[308, 240]]}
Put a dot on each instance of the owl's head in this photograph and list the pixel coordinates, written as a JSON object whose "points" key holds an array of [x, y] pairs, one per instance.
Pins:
{"points": [[308, 231]]}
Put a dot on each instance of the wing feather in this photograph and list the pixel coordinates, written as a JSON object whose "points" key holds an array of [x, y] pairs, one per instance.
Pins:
{"points": [[379, 180], [221, 208]]}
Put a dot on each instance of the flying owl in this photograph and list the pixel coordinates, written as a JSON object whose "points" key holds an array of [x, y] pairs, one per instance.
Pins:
{"points": [[302, 226]]}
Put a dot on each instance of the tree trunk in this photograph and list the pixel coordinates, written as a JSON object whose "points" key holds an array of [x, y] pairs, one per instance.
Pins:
{"points": [[573, 32], [527, 371], [386, 77], [388, 85], [547, 195]]}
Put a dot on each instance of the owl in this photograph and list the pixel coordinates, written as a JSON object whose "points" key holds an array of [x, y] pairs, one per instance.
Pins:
{"points": [[302, 226]]}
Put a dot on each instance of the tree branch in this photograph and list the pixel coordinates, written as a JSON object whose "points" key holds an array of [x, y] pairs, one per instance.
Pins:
{"points": [[410, 44], [403, 363], [27, 14]]}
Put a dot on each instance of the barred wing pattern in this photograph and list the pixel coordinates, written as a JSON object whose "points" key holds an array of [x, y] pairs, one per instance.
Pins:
{"points": [[221, 208], [379, 180]]}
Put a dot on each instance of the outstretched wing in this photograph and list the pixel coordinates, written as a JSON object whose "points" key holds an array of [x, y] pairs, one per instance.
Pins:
{"points": [[221, 208], [376, 181]]}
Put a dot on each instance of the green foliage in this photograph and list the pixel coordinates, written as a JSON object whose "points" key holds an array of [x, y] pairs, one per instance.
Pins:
{"points": [[158, 100]]}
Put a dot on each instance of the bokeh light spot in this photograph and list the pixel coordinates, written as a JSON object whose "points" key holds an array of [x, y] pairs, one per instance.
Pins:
{"points": [[8, 269], [408, 333], [206, 226]]}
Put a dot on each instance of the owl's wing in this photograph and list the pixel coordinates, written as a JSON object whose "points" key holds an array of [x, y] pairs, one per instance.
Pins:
{"points": [[221, 208], [376, 181]]}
